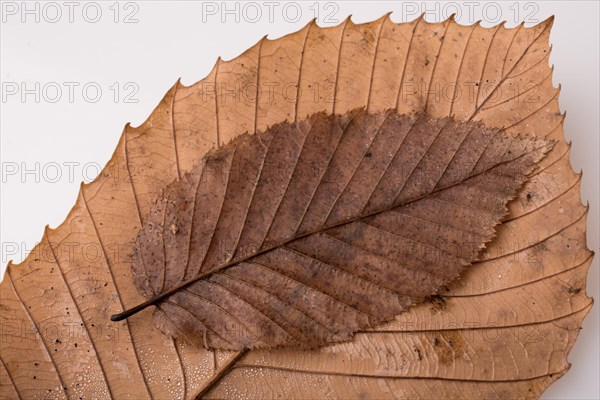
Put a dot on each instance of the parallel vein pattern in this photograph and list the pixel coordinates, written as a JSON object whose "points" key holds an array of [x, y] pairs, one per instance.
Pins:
{"points": [[312, 231], [533, 271]]}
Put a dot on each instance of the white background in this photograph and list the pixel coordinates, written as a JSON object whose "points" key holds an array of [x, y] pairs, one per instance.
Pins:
{"points": [[64, 142]]}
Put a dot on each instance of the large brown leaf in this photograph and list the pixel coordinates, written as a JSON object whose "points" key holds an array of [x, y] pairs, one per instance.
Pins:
{"points": [[504, 330], [310, 231]]}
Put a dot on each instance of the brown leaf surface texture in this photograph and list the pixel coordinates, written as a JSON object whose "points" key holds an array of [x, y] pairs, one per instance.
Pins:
{"points": [[503, 330], [308, 232]]}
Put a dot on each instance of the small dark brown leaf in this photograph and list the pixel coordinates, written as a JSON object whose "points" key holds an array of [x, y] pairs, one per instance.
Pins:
{"points": [[311, 231]]}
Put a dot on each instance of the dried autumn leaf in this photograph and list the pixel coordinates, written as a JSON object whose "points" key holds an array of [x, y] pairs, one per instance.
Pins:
{"points": [[504, 330], [310, 231]]}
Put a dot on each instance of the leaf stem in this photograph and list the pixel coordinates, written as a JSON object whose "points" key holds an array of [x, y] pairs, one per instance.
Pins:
{"points": [[221, 372]]}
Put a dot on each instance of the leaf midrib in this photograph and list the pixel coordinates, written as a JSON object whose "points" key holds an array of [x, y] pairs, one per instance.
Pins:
{"points": [[127, 313]]}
